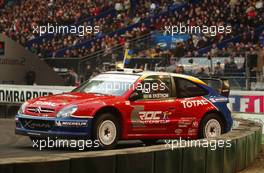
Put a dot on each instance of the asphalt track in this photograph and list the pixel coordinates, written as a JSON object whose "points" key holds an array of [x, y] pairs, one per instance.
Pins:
{"points": [[15, 146]]}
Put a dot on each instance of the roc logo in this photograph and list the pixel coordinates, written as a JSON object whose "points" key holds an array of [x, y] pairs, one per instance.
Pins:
{"points": [[153, 117]]}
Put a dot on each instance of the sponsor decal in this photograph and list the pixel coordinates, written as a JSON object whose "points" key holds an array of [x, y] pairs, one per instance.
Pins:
{"points": [[43, 103], [134, 116], [36, 125], [154, 117], [185, 122], [70, 124], [193, 103], [156, 96], [192, 131], [215, 100], [195, 124], [140, 118], [178, 131]]}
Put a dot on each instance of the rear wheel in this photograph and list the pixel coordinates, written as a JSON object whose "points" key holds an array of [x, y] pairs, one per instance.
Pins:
{"points": [[211, 126], [106, 130]]}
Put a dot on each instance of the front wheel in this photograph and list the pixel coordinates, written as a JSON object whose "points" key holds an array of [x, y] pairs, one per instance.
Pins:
{"points": [[106, 130], [211, 126]]}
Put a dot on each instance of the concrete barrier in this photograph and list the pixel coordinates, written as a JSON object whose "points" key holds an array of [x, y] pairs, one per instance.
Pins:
{"points": [[229, 162], [135, 162], [168, 161], [98, 164], [6, 167], [196, 156], [245, 144], [214, 160]]}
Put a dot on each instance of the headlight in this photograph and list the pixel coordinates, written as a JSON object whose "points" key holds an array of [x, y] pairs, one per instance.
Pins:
{"points": [[67, 111], [22, 108]]}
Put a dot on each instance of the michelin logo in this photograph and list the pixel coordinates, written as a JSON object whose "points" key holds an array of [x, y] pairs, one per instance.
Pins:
{"points": [[70, 124]]}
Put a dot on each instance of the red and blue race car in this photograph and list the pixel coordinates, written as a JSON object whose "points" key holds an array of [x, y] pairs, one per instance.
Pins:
{"points": [[123, 105]]}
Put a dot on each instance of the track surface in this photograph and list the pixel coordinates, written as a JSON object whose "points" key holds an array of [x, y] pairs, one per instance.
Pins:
{"points": [[12, 145]]}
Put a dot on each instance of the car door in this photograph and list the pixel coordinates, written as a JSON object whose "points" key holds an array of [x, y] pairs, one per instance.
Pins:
{"points": [[152, 111], [190, 105]]}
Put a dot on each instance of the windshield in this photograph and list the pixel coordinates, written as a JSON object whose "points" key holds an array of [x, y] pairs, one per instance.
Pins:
{"points": [[108, 84]]}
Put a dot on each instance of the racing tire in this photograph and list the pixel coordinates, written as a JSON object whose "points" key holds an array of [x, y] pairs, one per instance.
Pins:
{"points": [[149, 142], [211, 126], [106, 129]]}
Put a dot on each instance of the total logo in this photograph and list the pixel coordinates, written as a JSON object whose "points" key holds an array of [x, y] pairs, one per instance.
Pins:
{"points": [[193, 103], [153, 117]]}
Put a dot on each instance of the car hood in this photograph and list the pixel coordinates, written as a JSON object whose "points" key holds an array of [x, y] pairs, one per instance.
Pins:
{"points": [[71, 98], [56, 102]]}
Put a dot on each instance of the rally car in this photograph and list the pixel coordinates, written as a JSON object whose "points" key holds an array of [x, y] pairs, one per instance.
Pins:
{"points": [[124, 105]]}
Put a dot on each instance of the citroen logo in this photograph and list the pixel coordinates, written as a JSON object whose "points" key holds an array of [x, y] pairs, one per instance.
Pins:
{"points": [[37, 110]]}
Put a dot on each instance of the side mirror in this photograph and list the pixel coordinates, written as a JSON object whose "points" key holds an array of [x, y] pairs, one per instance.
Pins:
{"points": [[225, 89], [134, 96], [220, 85]]}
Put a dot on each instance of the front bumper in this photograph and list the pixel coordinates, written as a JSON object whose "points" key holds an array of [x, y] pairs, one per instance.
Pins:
{"points": [[53, 127]]}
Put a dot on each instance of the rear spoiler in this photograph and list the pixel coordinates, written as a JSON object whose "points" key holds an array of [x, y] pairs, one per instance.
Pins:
{"points": [[221, 85]]}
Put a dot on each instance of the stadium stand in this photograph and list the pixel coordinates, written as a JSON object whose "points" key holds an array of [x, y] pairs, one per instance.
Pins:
{"points": [[132, 24], [18, 19]]}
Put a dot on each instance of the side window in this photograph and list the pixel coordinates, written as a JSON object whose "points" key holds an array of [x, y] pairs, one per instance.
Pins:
{"points": [[155, 87], [186, 88]]}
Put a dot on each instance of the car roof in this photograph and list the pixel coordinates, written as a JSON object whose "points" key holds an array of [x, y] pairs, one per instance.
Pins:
{"points": [[150, 73]]}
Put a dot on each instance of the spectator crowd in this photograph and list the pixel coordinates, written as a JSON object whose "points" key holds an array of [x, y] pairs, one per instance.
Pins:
{"points": [[17, 22], [136, 18]]}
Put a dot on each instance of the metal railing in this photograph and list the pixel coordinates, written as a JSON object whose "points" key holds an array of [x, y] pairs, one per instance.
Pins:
{"points": [[115, 53]]}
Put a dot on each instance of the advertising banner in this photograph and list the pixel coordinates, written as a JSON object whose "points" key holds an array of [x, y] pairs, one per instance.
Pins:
{"points": [[247, 102], [169, 42], [17, 94]]}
